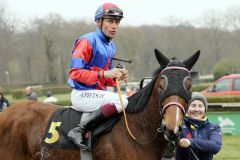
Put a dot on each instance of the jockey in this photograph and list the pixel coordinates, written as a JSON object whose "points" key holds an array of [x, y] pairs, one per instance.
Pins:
{"points": [[91, 72]]}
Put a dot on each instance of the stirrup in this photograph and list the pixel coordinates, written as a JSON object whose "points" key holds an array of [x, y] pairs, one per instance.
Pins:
{"points": [[83, 147], [86, 143]]}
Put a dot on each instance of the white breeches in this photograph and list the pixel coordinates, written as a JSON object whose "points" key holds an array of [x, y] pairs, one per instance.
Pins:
{"points": [[91, 100]]}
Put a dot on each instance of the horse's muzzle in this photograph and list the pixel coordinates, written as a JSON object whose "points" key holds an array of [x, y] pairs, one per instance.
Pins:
{"points": [[171, 135]]}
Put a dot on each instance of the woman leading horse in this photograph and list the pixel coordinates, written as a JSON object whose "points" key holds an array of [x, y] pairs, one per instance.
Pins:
{"points": [[154, 115]]}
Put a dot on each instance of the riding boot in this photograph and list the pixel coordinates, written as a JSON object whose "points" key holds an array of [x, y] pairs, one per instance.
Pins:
{"points": [[97, 117]]}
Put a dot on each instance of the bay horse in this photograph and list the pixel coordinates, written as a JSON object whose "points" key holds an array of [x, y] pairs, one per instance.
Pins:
{"points": [[154, 114]]}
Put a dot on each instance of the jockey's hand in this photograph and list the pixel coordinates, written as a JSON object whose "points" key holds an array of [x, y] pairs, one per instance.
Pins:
{"points": [[124, 76], [118, 73], [184, 142]]}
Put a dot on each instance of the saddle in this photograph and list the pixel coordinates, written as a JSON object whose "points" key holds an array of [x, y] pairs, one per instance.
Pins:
{"points": [[63, 120]]}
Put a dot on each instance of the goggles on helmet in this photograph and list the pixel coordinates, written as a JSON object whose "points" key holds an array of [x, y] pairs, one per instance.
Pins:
{"points": [[114, 12]]}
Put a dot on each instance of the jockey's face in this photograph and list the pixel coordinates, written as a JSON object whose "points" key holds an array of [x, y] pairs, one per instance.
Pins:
{"points": [[109, 26]]}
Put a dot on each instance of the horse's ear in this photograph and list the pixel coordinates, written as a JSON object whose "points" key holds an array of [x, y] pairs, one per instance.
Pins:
{"points": [[189, 63], [162, 60]]}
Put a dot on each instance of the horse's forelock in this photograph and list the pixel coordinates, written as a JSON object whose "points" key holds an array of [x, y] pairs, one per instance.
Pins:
{"points": [[177, 63]]}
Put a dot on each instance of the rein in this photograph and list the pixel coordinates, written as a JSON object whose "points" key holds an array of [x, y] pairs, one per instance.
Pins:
{"points": [[194, 155], [123, 108], [125, 117]]}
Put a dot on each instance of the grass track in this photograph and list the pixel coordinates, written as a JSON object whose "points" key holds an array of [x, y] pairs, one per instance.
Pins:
{"points": [[230, 148]]}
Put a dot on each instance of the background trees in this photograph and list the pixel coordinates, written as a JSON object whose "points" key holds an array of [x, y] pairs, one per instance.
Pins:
{"points": [[39, 52]]}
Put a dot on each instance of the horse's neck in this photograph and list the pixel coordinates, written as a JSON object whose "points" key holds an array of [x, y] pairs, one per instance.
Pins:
{"points": [[149, 118], [143, 126], [153, 110]]}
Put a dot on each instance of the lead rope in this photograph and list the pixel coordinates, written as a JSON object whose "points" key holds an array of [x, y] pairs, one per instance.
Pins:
{"points": [[123, 108], [194, 155]]}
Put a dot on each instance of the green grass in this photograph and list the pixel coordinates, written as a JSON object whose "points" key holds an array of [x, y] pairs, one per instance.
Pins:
{"points": [[61, 97], [230, 148]]}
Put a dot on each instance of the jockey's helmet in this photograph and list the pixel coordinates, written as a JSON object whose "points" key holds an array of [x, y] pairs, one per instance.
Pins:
{"points": [[108, 9]]}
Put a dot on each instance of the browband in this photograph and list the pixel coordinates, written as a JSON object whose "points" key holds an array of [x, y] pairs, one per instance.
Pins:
{"points": [[174, 67]]}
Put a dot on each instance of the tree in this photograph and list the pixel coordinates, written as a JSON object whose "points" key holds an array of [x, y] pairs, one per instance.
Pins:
{"points": [[226, 66], [7, 35], [50, 58]]}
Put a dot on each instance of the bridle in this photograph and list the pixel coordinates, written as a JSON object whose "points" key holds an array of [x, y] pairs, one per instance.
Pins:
{"points": [[174, 68], [173, 103], [167, 92], [162, 94], [163, 108]]}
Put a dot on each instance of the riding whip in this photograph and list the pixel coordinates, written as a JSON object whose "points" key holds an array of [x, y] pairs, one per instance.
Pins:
{"points": [[122, 60]]}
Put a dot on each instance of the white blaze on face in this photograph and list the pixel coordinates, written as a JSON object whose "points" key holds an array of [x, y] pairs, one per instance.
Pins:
{"points": [[177, 120]]}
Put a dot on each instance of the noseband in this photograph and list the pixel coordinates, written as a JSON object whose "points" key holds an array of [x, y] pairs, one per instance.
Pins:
{"points": [[173, 103]]}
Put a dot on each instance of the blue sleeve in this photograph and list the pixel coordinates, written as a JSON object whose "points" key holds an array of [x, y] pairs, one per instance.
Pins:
{"points": [[212, 145]]}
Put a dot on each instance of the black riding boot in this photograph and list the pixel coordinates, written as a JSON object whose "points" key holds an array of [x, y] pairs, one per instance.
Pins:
{"points": [[97, 117]]}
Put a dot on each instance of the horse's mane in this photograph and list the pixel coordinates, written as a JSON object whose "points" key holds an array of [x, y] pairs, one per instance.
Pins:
{"points": [[137, 101]]}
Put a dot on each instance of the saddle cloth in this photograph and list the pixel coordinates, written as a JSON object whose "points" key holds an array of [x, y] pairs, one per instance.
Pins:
{"points": [[63, 120]]}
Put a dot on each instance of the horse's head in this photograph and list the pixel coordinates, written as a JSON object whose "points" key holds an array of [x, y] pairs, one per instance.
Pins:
{"points": [[174, 89]]}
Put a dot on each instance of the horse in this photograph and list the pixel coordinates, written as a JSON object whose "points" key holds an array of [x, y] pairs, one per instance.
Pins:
{"points": [[154, 115]]}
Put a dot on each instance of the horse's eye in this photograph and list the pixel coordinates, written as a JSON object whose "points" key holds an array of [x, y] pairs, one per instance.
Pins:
{"points": [[163, 82], [187, 83]]}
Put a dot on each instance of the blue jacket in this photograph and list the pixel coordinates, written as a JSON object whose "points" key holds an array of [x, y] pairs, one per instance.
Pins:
{"points": [[205, 139], [91, 56]]}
